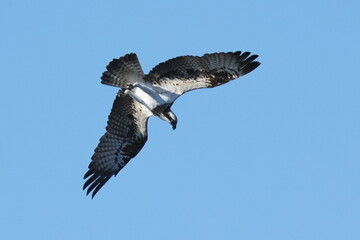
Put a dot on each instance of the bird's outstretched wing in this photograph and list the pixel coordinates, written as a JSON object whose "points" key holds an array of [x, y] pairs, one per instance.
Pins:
{"points": [[123, 71], [126, 134], [186, 73]]}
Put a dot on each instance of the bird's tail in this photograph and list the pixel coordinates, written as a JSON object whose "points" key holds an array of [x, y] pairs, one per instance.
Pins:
{"points": [[123, 72]]}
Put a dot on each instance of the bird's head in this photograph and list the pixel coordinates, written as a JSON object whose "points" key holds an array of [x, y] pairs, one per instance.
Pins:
{"points": [[169, 117]]}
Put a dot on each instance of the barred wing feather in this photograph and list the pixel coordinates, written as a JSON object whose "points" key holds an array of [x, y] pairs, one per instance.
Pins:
{"points": [[186, 73], [126, 134]]}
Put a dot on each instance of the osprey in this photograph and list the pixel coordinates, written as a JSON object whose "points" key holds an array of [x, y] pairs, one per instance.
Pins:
{"points": [[142, 96]]}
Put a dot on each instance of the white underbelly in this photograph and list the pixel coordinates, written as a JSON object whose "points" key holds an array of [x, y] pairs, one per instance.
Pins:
{"points": [[147, 96], [143, 97]]}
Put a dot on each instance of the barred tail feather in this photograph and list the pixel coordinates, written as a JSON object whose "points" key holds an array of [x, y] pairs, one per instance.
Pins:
{"points": [[123, 71]]}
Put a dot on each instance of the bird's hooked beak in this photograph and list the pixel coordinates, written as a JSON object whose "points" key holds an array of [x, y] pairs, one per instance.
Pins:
{"points": [[173, 124], [170, 117]]}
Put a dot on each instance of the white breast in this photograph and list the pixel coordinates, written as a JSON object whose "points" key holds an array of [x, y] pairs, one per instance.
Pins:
{"points": [[151, 96]]}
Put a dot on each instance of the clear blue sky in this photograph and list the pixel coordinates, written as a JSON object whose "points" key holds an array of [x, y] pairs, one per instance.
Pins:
{"points": [[273, 155]]}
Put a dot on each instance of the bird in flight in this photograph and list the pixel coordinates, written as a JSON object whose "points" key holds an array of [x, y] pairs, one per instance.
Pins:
{"points": [[144, 95]]}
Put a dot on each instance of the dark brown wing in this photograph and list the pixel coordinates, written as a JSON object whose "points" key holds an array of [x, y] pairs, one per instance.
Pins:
{"points": [[126, 134], [182, 74]]}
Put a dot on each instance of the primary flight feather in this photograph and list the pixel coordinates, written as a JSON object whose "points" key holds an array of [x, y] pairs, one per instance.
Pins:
{"points": [[142, 96]]}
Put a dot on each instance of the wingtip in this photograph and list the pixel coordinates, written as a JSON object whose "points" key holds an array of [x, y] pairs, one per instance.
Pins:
{"points": [[88, 191], [249, 67], [237, 53], [256, 64], [87, 174]]}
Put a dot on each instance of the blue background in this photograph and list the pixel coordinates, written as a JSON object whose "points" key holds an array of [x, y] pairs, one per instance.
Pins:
{"points": [[273, 155]]}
